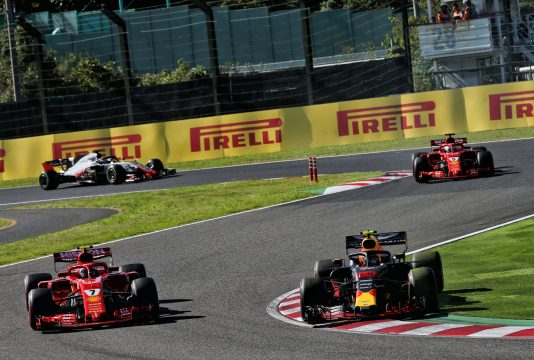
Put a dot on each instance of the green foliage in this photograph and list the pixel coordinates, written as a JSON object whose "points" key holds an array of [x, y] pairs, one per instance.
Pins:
{"points": [[394, 41], [182, 72], [87, 74], [526, 6], [360, 5]]}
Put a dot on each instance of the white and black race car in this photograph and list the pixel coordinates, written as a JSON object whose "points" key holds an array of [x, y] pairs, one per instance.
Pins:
{"points": [[96, 169]]}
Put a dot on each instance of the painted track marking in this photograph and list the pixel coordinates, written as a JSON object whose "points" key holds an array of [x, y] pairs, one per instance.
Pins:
{"points": [[288, 307]]}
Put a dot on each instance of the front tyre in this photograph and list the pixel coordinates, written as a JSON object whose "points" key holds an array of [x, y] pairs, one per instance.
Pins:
{"points": [[157, 165], [145, 294], [312, 294], [485, 162], [40, 303], [420, 165], [423, 283]]}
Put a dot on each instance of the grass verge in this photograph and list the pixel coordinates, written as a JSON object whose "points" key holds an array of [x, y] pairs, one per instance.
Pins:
{"points": [[491, 274], [167, 208], [326, 151], [5, 223]]}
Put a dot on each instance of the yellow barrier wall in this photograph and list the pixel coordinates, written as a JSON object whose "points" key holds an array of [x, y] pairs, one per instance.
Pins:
{"points": [[393, 117]]}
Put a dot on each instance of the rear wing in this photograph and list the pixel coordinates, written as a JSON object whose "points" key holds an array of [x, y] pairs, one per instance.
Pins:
{"points": [[438, 142], [72, 256], [354, 242], [50, 165]]}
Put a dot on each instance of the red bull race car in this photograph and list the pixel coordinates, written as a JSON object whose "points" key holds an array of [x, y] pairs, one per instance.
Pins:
{"points": [[451, 158], [97, 169], [372, 283], [90, 293]]}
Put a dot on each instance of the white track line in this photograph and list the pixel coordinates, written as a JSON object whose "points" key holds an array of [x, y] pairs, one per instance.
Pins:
{"points": [[80, 197], [471, 234]]}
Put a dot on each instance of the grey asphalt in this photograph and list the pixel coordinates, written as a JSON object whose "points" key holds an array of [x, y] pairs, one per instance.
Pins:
{"points": [[216, 278], [33, 222]]}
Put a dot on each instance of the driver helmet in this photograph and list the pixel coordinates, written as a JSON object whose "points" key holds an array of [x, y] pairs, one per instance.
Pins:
{"points": [[447, 148], [83, 273], [370, 242]]}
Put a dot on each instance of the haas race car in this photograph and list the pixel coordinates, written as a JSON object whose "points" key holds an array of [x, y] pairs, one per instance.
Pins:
{"points": [[96, 169], [90, 293], [451, 158], [372, 283]]}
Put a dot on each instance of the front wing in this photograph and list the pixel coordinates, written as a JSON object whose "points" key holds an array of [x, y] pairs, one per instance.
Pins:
{"points": [[71, 320]]}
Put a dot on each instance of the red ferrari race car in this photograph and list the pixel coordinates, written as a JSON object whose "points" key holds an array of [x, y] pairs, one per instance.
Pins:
{"points": [[451, 158], [97, 169], [372, 283], [90, 293]]}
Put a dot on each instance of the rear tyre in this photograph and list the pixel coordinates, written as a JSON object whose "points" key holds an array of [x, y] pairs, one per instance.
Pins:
{"points": [[115, 175], [32, 280], [146, 294], [431, 259], [40, 303], [419, 165], [49, 180], [323, 268], [485, 161], [424, 285], [138, 268], [312, 294], [480, 148]]}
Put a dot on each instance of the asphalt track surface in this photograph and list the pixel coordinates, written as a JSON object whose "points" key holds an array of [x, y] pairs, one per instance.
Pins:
{"points": [[33, 222], [216, 278]]}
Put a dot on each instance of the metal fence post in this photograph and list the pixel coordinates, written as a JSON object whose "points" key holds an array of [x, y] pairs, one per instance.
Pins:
{"points": [[214, 57], [39, 57], [308, 52], [11, 25], [125, 50], [407, 46]]}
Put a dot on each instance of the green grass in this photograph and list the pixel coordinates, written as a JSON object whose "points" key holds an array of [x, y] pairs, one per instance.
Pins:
{"points": [[326, 151], [491, 274], [167, 208]]}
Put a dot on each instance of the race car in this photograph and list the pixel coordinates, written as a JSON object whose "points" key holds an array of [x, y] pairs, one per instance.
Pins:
{"points": [[451, 158], [96, 169], [91, 292], [372, 283]]}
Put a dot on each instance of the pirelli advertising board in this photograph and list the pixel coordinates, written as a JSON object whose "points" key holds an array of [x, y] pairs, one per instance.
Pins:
{"points": [[394, 117]]}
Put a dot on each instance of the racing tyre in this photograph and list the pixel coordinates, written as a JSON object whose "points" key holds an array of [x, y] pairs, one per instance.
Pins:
{"points": [[145, 293], [115, 175], [419, 165], [485, 160], [156, 164], [423, 283], [480, 148], [431, 259], [323, 268], [416, 155], [32, 280], [40, 303], [312, 293], [138, 268], [49, 180]]}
